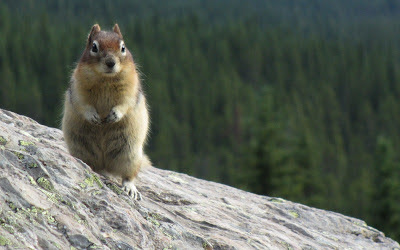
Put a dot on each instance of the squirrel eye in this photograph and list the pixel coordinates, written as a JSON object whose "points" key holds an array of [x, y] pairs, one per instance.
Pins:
{"points": [[123, 48], [94, 48]]}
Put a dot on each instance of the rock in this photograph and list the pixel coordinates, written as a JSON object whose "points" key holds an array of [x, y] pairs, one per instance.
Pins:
{"points": [[51, 200]]}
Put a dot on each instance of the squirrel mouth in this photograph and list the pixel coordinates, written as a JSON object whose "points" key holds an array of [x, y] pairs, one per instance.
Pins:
{"points": [[110, 72]]}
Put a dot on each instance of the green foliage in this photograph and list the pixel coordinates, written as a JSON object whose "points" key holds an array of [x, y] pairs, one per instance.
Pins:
{"points": [[387, 186], [296, 99]]}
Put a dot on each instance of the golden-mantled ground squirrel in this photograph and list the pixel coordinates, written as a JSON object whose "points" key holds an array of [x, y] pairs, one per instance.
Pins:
{"points": [[106, 119]]}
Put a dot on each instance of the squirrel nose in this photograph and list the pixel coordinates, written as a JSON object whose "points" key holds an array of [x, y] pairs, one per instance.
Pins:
{"points": [[110, 63]]}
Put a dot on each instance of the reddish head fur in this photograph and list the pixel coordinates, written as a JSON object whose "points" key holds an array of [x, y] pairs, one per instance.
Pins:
{"points": [[109, 45]]}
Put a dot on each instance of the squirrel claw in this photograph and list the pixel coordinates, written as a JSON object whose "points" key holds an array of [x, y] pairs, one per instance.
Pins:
{"points": [[96, 120], [113, 116], [131, 190], [93, 118]]}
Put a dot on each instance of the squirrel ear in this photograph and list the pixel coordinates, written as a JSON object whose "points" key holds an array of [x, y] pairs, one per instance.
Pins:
{"points": [[95, 29], [116, 30]]}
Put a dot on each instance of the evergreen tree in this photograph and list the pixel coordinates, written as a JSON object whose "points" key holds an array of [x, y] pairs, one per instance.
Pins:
{"points": [[7, 88], [268, 167], [387, 186]]}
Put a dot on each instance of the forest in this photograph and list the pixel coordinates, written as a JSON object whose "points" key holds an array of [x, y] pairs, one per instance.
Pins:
{"points": [[294, 99]]}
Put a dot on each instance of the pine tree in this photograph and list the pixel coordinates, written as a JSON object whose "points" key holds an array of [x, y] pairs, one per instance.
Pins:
{"points": [[7, 88], [387, 186]]}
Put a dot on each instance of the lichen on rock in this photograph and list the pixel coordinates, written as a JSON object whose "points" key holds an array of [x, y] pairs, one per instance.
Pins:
{"points": [[45, 184], [3, 140]]}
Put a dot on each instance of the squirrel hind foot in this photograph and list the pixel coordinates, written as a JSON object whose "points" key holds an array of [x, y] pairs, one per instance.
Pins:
{"points": [[130, 188]]}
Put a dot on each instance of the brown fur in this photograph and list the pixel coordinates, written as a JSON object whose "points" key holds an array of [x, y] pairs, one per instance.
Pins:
{"points": [[106, 119]]}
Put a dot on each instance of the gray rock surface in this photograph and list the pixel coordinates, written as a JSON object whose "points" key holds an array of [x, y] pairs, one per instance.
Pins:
{"points": [[51, 200]]}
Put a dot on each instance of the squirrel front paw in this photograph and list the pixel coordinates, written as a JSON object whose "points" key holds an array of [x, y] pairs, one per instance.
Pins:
{"points": [[114, 116], [93, 117]]}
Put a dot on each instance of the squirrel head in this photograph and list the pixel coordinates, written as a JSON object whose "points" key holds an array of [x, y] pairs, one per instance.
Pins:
{"points": [[105, 52]]}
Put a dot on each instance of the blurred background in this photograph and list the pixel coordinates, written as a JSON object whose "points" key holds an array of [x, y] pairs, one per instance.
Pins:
{"points": [[291, 98]]}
